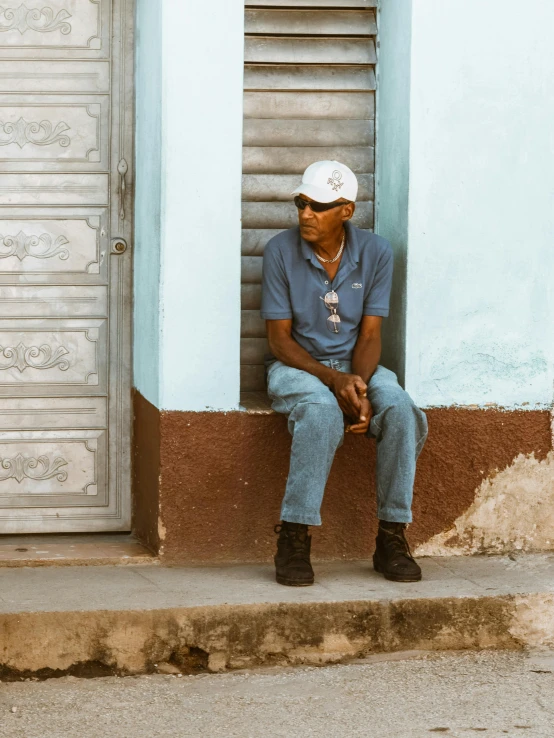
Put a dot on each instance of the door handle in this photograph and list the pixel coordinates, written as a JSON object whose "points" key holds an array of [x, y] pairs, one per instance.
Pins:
{"points": [[122, 168]]}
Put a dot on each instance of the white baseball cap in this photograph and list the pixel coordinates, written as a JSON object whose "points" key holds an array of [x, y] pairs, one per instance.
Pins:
{"points": [[327, 181]]}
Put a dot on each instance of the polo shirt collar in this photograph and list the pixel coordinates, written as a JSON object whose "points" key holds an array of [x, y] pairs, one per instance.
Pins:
{"points": [[307, 251]]}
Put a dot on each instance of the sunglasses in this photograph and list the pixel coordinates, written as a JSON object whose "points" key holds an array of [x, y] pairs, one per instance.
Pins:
{"points": [[331, 301], [317, 207]]}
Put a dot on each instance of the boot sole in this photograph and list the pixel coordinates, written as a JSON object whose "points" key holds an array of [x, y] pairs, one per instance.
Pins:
{"points": [[392, 577], [293, 582]]}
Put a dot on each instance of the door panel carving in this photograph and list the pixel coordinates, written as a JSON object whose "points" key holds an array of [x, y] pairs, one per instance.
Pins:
{"points": [[41, 21], [51, 246], [69, 353], [55, 134], [59, 26], [23, 246], [66, 125], [46, 465]]}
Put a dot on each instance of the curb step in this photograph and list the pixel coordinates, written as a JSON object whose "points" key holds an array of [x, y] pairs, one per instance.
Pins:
{"points": [[88, 621]]}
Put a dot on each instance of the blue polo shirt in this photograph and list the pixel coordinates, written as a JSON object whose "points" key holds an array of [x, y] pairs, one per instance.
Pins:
{"points": [[294, 281]]}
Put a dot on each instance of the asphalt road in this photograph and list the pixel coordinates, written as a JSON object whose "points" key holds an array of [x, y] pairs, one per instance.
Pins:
{"points": [[453, 695]]}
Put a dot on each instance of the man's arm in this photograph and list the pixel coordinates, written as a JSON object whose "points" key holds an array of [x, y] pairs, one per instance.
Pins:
{"points": [[346, 387], [367, 350], [365, 359]]}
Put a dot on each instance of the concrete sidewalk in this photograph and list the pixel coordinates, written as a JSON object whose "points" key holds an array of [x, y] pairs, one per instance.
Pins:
{"points": [[496, 694], [130, 619]]}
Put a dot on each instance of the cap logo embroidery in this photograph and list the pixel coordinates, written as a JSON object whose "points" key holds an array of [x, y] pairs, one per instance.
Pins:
{"points": [[335, 180]]}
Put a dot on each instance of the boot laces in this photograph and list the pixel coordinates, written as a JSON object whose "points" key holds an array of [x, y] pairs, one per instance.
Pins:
{"points": [[397, 543], [298, 541]]}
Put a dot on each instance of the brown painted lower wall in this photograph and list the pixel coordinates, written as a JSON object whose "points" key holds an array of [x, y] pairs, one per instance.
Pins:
{"points": [[222, 476], [146, 471]]}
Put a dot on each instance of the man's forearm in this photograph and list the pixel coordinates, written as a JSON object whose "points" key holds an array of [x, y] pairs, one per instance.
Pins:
{"points": [[347, 388], [291, 353], [365, 359]]}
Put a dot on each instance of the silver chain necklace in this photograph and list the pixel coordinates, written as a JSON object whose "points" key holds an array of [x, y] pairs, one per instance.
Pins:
{"points": [[331, 261]]}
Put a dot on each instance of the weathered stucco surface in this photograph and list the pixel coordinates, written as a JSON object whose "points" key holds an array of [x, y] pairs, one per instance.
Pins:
{"points": [[208, 486], [480, 219], [532, 621], [513, 510]]}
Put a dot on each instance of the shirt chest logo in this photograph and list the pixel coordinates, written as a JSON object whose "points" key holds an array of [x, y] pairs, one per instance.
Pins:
{"points": [[356, 285]]}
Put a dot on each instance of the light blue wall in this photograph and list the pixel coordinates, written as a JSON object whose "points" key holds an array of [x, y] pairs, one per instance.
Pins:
{"points": [[465, 189], [392, 164], [203, 52], [480, 311], [148, 169], [188, 203]]}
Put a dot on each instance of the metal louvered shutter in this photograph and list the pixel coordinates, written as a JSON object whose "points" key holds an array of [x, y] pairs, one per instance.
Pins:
{"points": [[309, 94]]}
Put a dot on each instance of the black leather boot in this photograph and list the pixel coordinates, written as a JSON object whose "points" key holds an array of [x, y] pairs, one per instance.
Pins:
{"points": [[392, 556], [292, 560]]}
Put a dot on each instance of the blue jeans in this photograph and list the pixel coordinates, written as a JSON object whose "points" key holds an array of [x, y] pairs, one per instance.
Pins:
{"points": [[316, 424]]}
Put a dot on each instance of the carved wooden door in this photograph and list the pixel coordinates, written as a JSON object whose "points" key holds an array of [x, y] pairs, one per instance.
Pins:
{"points": [[66, 123]]}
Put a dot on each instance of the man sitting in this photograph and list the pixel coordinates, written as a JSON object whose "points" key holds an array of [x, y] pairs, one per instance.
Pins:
{"points": [[326, 289]]}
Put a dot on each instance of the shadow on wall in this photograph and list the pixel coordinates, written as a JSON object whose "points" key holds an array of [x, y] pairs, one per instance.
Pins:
{"points": [[393, 354]]}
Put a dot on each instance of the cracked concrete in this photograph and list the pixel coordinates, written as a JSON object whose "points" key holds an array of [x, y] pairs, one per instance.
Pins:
{"points": [[126, 620]]}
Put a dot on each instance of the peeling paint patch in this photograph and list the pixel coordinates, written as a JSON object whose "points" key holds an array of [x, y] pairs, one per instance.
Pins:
{"points": [[512, 511]]}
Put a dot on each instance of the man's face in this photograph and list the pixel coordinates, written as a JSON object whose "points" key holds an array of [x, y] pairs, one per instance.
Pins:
{"points": [[315, 227]]}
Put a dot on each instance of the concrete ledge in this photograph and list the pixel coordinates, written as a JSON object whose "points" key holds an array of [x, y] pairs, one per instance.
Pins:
{"points": [[209, 486], [136, 618]]}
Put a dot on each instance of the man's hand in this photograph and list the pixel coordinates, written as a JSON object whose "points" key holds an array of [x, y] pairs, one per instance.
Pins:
{"points": [[362, 424], [349, 390]]}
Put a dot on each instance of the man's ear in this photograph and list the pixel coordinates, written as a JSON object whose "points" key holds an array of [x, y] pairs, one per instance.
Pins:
{"points": [[348, 211]]}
